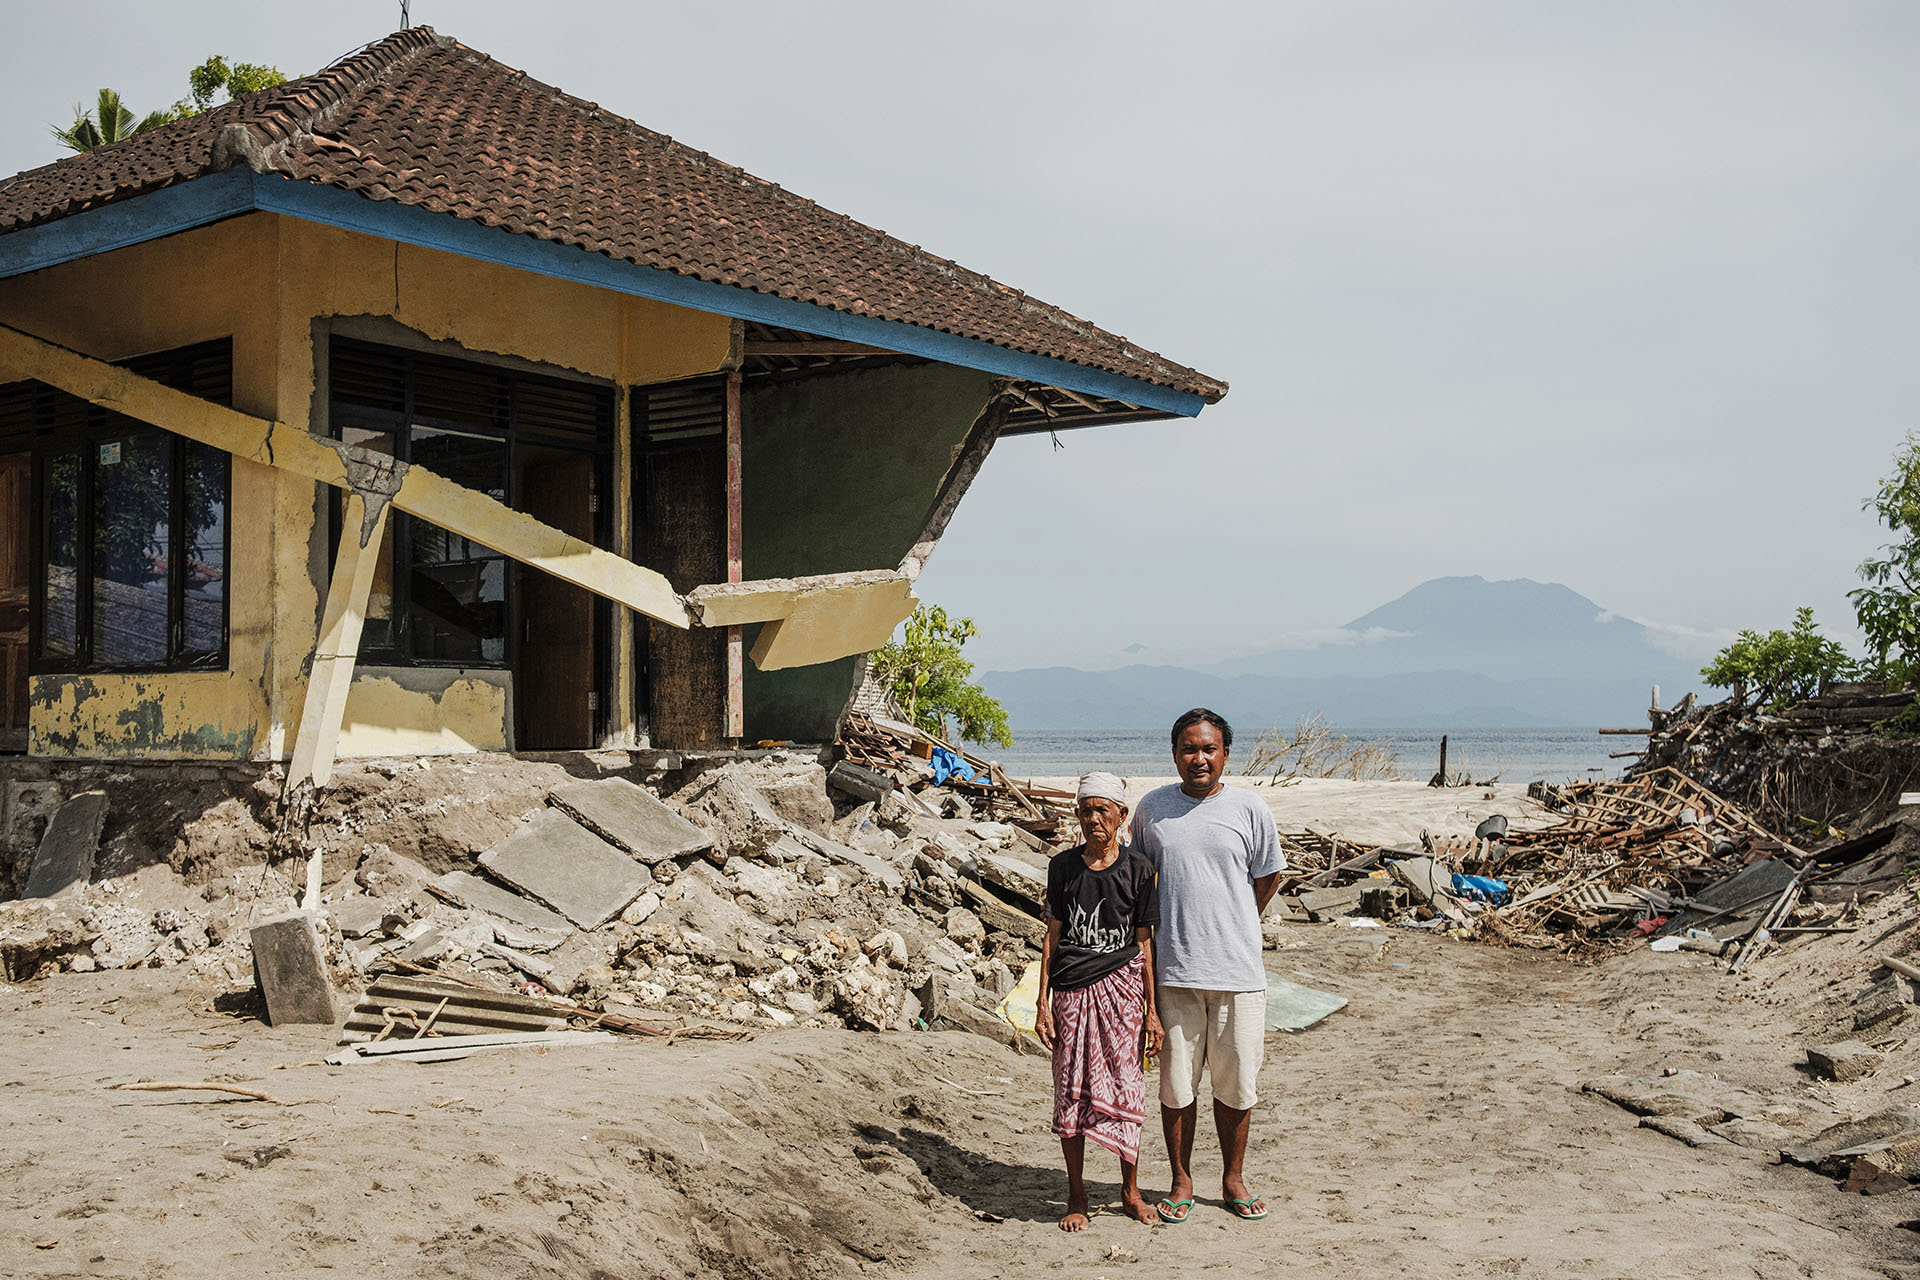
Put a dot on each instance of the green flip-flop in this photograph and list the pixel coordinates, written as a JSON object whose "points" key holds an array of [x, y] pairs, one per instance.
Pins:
{"points": [[1240, 1208], [1175, 1218]]}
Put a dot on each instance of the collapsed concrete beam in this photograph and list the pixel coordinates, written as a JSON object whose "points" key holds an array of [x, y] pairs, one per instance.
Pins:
{"points": [[812, 619], [376, 478]]}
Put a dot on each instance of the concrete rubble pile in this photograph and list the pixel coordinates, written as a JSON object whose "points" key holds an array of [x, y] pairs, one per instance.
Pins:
{"points": [[77, 915], [751, 894], [748, 891]]}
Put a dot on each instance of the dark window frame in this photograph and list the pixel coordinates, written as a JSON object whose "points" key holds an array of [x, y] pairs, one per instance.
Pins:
{"points": [[513, 417], [204, 369]]}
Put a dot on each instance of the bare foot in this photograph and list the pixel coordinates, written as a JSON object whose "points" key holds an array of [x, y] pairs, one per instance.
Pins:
{"points": [[1076, 1220], [1136, 1207]]}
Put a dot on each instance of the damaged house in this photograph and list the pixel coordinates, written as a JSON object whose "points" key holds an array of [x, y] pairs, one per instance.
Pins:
{"points": [[418, 407]]}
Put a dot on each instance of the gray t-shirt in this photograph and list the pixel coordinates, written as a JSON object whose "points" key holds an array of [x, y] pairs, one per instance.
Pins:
{"points": [[1209, 853]]}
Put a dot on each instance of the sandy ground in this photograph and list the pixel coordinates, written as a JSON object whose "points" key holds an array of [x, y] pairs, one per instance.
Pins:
{"points": [[1433, 1128], [1373, 812]]}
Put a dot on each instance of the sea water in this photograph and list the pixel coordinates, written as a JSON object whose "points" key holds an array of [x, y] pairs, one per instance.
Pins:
{"points": [[1484, 755]]}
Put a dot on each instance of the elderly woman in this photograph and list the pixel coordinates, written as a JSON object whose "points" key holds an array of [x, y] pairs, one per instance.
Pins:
{"points": [[1096, 1008]]}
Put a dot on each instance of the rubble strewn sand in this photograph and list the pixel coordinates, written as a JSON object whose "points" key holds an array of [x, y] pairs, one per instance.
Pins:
{"points": [[1435, 1127], [1453, 1119]]}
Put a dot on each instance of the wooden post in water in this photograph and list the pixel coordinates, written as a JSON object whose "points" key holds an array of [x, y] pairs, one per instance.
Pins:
{"points": [[1440, 778]]}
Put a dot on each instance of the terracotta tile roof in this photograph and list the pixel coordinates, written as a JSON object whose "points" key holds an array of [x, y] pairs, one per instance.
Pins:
{"points": [[423, 120]]}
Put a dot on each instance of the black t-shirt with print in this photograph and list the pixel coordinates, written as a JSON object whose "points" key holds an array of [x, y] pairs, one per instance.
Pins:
{"points": [[1100, 913]]}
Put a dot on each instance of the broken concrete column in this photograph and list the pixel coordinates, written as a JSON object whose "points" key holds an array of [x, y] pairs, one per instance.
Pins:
{"points": [[859, 781], [64, 860], [291, 970], [1844, 1060]]}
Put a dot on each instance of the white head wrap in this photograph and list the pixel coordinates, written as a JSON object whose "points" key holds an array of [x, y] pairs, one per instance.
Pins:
{"points": [[1101, 786]]}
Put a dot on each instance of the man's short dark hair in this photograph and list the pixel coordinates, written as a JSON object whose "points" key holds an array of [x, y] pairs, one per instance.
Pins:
{"points": [[1200, 715]]}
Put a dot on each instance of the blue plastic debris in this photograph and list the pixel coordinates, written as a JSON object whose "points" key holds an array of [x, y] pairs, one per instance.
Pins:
{"points": [[949, 764], [1479, 889]]}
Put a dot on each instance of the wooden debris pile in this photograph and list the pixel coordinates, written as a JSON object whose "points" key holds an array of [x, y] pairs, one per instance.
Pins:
{"points": [[1823, 756], [908, 756], [1649, 856], [1624, 851]]}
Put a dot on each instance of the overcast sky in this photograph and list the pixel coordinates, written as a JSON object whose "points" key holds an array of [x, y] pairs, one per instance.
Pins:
{"points": [[1619, 294]]}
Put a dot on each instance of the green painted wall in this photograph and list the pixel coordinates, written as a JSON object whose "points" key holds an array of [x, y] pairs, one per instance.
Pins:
{"points": [[838, 473]]}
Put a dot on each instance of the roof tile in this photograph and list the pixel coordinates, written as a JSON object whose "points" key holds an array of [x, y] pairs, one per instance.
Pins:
{"points": [[421, 120]]}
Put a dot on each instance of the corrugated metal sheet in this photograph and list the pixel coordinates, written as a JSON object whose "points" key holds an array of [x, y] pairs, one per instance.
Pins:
{"points": [[468, 1011]]}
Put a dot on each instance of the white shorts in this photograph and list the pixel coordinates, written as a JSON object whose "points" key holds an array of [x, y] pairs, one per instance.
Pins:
{"points": [[1219, 1033]]}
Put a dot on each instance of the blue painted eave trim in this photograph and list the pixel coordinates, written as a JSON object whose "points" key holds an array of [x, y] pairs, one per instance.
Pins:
{"points": [[237, 191]]}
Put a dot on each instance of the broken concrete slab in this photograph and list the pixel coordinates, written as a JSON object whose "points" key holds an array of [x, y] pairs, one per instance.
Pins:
{"points": [[38, 936], [64, 860], [859, 781], [356, 915], [561, 863], [1844, 1060], [522, 938], [291, 970], [958, 1015], [738, 815], [630, 818], [1888, 1000], [1701, 1099], [483, 895], [1338, 900], [1833, 1150], [998, 915], [867, 864], [1015, 876], [1683, 1130], [1425, 878]]}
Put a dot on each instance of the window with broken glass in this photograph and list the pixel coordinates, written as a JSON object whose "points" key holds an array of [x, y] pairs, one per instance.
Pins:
{"points": [[129, 532], [439, 599]]}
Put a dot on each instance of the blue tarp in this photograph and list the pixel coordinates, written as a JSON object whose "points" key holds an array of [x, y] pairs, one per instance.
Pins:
{"points": [[1479, 889], [948, 764]]}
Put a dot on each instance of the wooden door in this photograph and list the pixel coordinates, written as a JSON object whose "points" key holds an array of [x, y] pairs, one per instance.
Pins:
{"points": [[16, 502], [683, 535], [553, 675]]}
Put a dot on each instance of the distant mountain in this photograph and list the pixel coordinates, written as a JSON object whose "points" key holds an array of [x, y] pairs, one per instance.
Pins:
{"points": [[1453, 652], [1513, 629]]}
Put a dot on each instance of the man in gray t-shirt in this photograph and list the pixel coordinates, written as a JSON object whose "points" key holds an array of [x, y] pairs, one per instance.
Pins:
{"points": [[1219, 858]]}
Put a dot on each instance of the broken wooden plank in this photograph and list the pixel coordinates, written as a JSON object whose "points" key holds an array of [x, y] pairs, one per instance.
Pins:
{"points": [[448, 1048]]}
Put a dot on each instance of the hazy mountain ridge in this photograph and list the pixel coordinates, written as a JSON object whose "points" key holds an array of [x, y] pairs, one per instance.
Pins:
{"points": [[1463, 652]]}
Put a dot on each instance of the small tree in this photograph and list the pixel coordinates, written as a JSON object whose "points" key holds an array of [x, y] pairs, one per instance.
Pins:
{"points": [[1888, 607], [208, 80], [926, 675], [1780, 666]]}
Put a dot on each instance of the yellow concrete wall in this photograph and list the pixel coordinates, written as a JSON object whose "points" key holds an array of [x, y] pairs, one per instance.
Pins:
{"points": [[264, 281], [213, 282], [388, 718]]}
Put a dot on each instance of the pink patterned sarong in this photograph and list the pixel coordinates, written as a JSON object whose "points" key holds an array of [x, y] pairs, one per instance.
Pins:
{"points": [[1099, 1090]]}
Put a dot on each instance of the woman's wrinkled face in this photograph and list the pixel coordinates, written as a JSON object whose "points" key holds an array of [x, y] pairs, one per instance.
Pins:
{"points": [[1101, 819]]}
